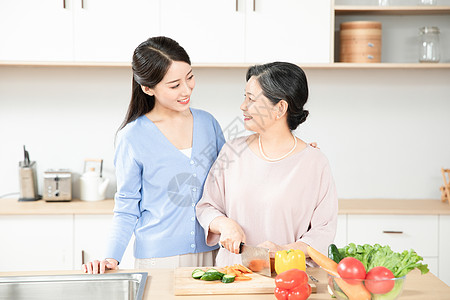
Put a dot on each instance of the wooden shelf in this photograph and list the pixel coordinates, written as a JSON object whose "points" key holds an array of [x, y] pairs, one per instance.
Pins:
{"points": [[391, 10], [336, 65]]}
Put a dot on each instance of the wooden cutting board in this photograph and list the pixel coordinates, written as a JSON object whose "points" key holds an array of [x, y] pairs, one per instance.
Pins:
{"points": [[186, 285]]}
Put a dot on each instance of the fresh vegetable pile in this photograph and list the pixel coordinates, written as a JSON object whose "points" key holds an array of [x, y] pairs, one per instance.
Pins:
{"points": [[349, 266], [292, 285], [400, 264], [229, 274]]}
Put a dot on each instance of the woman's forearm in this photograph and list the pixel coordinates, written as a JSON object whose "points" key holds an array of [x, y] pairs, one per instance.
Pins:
{"points": [[217, 224]]}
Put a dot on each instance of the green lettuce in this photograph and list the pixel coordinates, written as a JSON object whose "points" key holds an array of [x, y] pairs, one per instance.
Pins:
{"points": [[373, 256]]}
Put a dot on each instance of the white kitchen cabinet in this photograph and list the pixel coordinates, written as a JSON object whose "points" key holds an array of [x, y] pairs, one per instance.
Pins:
{"points": [[36, 242], [36, 30], [444, 246], [298, 31], [250, 31], [400, 232], [210, 31], [110, 30], [90, 237], [75, 30]]}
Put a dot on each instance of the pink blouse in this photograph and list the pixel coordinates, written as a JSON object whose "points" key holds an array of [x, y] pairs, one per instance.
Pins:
{"points": [[290, 200]]}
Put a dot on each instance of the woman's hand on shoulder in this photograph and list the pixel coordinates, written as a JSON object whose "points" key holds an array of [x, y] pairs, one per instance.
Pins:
{"points": [[96, 266], [314, 145]]}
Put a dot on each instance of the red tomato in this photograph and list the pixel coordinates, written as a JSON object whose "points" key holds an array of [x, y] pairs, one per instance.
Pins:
{"points": [[300, 292], [351, 268], [379, 280], [281, 294], [291, 278]]}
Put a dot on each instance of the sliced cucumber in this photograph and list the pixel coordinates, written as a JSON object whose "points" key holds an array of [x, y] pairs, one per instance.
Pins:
{"points": [[228, 278], [198, 274], [210, 276], [196, 270]]}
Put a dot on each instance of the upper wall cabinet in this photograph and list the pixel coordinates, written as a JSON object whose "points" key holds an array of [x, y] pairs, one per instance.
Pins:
{"points": [[250, 31], [75, 30], [297, 31], [212, 32], [110, 30], [36, 30]]}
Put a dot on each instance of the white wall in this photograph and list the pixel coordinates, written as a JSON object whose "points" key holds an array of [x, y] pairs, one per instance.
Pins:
{"points": [[385, 132]]}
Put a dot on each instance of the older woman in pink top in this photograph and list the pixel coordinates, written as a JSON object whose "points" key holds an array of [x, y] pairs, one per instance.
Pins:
{"points": [[270, 189]]}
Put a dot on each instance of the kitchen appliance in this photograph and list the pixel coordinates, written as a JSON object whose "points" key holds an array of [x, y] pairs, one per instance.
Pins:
{"points": [[57, 185], [28, 178], [256, 259], [92, 184]]}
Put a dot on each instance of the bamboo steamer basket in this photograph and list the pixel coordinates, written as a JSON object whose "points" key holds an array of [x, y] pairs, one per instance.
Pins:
{"points": [[360, 42]]}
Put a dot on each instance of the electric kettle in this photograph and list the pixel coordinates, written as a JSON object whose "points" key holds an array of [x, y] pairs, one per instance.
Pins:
{"points": [[92, 186]]}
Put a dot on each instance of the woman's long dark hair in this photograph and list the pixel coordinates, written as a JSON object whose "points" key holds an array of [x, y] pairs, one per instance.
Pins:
{"points": [[284, 81], [151, 60]]}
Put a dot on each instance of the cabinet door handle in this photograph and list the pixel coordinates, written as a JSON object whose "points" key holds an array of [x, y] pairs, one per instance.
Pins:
{"points": [[82, 4], [82, 257], [393, 231], [254, 5], [237, 5], [64, 4]]}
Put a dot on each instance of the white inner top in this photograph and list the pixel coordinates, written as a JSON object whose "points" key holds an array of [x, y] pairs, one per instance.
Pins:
{"points": [[187, 152]]}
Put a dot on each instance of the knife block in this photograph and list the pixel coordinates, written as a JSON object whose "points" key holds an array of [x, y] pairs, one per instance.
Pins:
{"points": [[28, 182]]}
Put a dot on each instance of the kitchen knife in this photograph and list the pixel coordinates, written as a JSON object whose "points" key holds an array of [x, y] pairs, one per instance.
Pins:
{"points": [[256, 259]]}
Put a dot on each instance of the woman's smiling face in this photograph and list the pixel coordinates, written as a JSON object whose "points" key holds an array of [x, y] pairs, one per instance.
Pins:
{"points": [[259, 111], [175, 89]]}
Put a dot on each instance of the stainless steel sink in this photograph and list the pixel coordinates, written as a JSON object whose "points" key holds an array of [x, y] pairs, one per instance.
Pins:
{"points": [[116, 286]]}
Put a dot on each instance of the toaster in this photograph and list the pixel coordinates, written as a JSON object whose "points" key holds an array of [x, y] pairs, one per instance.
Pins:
{"points": [[57, 185]]}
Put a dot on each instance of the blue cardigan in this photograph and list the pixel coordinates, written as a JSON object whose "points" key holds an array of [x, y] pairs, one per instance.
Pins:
{"points": [[158, 187]]}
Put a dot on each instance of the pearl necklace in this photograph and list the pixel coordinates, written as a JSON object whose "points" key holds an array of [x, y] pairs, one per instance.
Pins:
{"points": [[279, 158]]}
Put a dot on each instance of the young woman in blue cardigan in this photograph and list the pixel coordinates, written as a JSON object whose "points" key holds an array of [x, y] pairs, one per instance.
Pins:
{"points": [[163, 154]]}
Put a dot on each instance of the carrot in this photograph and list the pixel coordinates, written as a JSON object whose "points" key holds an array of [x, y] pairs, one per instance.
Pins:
{"points": [[242, 278], [242, 268], [353, 291]]}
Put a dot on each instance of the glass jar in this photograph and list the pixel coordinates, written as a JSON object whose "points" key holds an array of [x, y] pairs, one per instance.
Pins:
{"points": [[383, 2], [429, 44]]}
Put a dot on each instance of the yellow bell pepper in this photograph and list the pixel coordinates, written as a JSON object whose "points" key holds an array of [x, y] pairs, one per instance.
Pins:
{"points": [[289, 259]]}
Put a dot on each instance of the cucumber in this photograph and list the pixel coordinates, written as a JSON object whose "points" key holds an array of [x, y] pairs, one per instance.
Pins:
{"points": [[228, 278], [210, 276], [197, 270], [198, 274], [214, 271], [333, 253]]}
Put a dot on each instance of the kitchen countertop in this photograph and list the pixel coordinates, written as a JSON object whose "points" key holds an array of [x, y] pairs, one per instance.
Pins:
{"points": [[346, 206], [160, 285]]}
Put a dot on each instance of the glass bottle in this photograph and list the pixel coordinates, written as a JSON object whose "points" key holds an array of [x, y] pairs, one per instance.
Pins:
{"points": [[429, 44], [383, 2]]}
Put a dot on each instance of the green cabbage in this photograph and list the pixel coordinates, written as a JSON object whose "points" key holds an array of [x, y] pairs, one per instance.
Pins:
{"points": [[373, 256]]}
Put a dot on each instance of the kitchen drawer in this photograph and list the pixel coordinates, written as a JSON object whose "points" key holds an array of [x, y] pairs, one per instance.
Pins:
{"points": [[400, 232]]}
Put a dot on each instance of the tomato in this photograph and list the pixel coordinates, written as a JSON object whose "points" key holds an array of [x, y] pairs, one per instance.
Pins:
{"points": [[291, 278], [281, 294], [351, 268], [301, 292], [379, 280]]}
